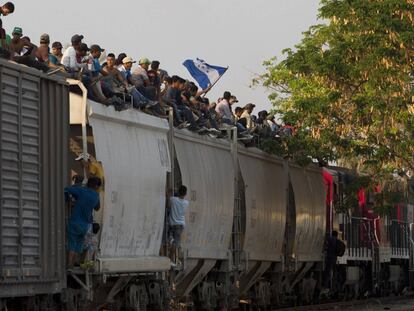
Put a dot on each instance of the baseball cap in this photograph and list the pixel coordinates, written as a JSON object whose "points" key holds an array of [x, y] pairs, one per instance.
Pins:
{"points": [[44, 38], [18, 31], [77, 39], [83, 47], [57, 45], [95, 48], [234, 98], [128, 59], [144, 60]]}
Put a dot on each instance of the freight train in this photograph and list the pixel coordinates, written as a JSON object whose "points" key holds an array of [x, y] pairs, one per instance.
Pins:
{"points": [[255, 228]]}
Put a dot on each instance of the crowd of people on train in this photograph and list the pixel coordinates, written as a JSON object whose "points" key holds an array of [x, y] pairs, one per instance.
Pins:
{"points": [[117, 81]]}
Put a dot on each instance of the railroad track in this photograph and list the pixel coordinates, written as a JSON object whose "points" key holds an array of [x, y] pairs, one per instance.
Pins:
{"points": [[381, 301]]}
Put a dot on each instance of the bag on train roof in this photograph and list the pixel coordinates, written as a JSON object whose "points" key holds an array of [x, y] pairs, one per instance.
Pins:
{"points": [[340, 248]]}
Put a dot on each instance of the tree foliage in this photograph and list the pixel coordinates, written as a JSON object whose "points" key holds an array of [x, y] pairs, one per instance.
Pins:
{"points": [[347, 86]]}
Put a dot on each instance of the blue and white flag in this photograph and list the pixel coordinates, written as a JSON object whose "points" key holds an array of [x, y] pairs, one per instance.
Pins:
{"points": [[203, 73]]}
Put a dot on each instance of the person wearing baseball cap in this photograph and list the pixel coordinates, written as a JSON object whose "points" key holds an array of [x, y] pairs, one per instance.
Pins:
{"points": [[233, 100], [71, 54], [141, 79], [42, 52], [139, 99], [126, 66], [94, 65], [142, 69], [16, 44], [76, 39]]}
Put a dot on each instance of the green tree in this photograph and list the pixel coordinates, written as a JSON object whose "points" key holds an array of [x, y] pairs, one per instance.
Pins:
{"points": [[347, 86]]}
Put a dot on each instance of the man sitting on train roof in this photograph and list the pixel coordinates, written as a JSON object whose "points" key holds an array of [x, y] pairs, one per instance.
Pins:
{"points": [[139, 100], [57, 51], [91, 76], [223, 109], [72, 56], [162, 74], [173, 98], [247, 112], [43, 52], [141, 80], [24, 52], [208, 118], [86, 200]]}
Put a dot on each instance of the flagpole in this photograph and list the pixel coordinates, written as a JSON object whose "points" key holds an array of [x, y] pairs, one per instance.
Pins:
{"points": [[211, 86]]}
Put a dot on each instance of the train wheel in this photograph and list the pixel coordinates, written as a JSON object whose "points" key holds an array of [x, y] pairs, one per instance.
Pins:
{"points": [[136, 297], [3, 305], [71, 301]]}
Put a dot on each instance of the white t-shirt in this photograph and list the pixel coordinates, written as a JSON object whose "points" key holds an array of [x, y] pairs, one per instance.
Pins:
{"points": [[177, 211], [69, 59], [223, 109]]}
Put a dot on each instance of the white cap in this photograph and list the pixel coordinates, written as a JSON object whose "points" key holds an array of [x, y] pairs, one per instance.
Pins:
{"points": [[128, 59]]}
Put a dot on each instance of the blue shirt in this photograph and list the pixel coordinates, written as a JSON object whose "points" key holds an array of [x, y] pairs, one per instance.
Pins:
{"points": [[96, 67], [173, 96], [53, 59], [86, 201]]}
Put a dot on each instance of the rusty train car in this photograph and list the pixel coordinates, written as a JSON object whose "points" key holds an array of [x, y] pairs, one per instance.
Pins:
{"points": [[255, 228]]}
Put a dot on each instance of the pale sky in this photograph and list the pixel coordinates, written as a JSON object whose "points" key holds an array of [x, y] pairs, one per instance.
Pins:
{"points": [[236, 33]]}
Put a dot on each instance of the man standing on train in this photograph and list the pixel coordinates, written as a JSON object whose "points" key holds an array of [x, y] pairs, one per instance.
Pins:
{"points": [[334, 248], [178, 206], [86, 200]]}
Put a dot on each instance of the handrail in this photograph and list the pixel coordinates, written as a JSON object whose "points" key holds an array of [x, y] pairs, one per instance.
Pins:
{"points": [[84, 108]]}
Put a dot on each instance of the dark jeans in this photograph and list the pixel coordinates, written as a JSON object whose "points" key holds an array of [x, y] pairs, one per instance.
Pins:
{"points": [[31, 62], [149, 92], [240, 127], [183, 110], [330, 265]]}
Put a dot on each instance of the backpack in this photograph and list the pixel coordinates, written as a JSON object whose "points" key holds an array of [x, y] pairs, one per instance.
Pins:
{"points": [[340, 248]]}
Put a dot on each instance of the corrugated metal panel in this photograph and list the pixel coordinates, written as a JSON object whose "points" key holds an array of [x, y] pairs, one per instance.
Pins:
{"points": [[208, 172], [266, 182], [133, 149], [28, 180], [55, 145], [310, 196]]}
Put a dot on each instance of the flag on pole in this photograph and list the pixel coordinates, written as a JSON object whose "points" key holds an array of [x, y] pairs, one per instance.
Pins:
{"points": [[203, 73]]}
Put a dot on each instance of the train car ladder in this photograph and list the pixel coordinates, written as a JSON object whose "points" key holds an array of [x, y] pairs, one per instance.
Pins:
{"points": [[236, 248]]}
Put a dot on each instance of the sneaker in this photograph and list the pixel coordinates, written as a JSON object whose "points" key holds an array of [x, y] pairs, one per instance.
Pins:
{"points": [[151, 103], [183, 125], [203, 130], [246, 137], [194, 128], [214, 131]]}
